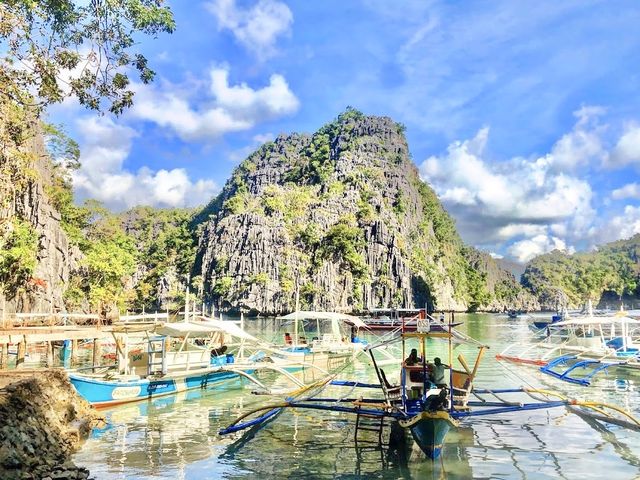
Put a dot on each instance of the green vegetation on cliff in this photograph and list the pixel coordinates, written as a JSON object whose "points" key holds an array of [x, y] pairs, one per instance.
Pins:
{"points": [[344, 215], [18, 255], [166, 248], [560, 278], [136, 260]]}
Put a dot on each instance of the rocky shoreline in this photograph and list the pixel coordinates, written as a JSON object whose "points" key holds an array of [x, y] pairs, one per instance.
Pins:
{"points": [[42, 422]]}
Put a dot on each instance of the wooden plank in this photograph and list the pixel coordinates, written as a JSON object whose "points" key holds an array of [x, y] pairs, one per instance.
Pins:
{"points": [[4, 360], [97, 352], [49, 354], [22, 350], [50, 335]]}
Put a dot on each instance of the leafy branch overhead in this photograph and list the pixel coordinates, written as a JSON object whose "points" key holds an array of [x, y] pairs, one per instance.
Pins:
{"points": [[54, 49]]}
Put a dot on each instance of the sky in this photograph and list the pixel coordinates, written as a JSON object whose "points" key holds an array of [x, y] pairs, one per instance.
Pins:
{"points": [[523, 116]]}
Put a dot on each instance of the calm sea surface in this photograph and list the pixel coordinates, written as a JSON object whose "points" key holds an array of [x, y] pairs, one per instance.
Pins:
{"points": [[176, 437]]}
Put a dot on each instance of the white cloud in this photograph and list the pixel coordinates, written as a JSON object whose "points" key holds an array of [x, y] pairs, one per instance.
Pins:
{"points": [[105, 146], [631, 190], [263, 137], [627, 150], [531, 204], [583, 144], [520, 229], [238, 155], [256, 28], [525, 250], [230, 107], [619, 226]]}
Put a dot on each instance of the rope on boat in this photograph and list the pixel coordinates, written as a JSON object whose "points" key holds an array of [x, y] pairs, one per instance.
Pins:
{"points": [[596, 406], [493, 394], [287, 403]]}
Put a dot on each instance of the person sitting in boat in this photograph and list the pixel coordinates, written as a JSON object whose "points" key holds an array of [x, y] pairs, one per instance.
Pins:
{"points": [[287, 338], [302, 340], [413, 358], [216, 352], [437, 372]]}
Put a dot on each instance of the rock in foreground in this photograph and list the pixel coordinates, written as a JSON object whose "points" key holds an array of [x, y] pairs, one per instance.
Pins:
{"points": [[42, 422]]}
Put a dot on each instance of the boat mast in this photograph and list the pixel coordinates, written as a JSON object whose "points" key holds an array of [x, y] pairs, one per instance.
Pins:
{"points": [[295, 320], [450, 365], [186, 300], [241, 350]]}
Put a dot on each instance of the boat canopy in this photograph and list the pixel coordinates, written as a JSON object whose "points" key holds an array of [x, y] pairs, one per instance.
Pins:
{"points": [[203, 329], [230, 328], [182, 329], [457, 338], [616, 319], [330, 316]]}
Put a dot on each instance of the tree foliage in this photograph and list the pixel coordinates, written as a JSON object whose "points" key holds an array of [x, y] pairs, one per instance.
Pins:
{"points": [[166, 246], [53, 49], [108, 263], [614, 267], [18, 255]]}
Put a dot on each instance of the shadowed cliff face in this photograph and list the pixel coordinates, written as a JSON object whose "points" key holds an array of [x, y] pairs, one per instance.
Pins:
{"points": [[341, 216]]}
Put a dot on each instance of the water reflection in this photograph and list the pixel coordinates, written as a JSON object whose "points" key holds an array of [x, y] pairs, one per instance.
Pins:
{"points": [[176, 437]]}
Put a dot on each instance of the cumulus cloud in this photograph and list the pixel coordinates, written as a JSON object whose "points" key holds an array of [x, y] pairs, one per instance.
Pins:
{"points": [[105, 146], [256, 28], [583, 144], [221, 109], [631, 190], [522, 206], [525, 250], [627, 150], [238, 155], [617, 227]]}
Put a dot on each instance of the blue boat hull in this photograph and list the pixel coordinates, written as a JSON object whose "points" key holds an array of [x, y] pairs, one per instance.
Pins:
{"points": [[429, 430], [104, 393]]}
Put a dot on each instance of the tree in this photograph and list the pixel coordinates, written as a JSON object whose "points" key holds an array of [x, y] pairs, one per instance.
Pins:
{"points": [[18, 255], [53, 49]]}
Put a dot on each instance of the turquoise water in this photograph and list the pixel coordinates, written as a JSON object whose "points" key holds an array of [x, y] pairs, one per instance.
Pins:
{"points": [[176, 437]]}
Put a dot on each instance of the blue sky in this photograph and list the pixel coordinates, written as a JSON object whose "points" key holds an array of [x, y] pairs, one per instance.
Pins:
{"points": [[523, 116]]}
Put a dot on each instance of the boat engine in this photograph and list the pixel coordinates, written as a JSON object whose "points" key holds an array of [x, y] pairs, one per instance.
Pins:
{"points": [[439, 401]]}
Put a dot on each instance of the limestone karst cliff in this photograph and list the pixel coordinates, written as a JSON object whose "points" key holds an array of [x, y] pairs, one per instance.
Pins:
{"points": [[340, 216], [343, 218], [37, 257]]}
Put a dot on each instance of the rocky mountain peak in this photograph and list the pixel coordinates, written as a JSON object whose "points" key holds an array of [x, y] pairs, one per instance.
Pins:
{"points": [[341, 217]]}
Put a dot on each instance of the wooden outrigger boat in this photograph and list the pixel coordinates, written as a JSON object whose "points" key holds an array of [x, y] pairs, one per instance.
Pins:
{"points": [[542, 323], [420, 403], [334, 338], [587, 346], [179, 356]]}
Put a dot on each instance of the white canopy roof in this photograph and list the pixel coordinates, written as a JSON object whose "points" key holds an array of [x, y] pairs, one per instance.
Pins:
{"points": [[203, 329], [228, 327], [309, 315], [608, 320], [181, 329]]}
